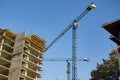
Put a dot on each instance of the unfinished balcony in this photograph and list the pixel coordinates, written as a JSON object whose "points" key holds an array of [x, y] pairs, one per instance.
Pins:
{"points": [[26, 57], [24, 64], [36, 42], [3, 77], [23, 72], [33, 66], [4, 71], [32, 73], [9, 42], [9, 35], [33, 55], [22, 78], [6, 55], [4, 62], [33, 51], [7, 48]]}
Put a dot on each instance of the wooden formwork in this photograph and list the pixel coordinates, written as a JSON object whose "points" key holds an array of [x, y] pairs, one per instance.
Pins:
{"points": [[36, 42]]}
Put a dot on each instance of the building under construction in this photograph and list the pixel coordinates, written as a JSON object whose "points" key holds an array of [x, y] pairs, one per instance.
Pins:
{"points": [[20, 56]]}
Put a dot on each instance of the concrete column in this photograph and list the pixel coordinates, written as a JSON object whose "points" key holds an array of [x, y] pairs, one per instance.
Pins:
{"points": [[16, 62]]}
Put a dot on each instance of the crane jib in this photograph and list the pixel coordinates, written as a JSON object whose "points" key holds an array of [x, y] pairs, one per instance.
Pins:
{"points": [[90, 7]]}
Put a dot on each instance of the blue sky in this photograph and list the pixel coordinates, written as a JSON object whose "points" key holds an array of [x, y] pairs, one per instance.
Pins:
{"points": [[47, 18]]}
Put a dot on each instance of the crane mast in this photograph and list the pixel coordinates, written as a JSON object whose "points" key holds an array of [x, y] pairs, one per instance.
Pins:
{"points": [[68, 69], [74, 26], [68, 64], [74, 51]]}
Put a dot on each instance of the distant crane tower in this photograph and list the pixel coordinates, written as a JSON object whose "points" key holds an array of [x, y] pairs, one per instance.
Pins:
{"points": [[68, 64], [74, 26], [68, 69]]}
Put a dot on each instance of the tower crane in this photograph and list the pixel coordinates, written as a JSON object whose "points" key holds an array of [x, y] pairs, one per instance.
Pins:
{"points": [[68, 64], [74, 26]]}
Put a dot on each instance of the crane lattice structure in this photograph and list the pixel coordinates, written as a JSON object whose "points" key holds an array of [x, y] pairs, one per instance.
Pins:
{"points": [[74, 26], [68, 64]]}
